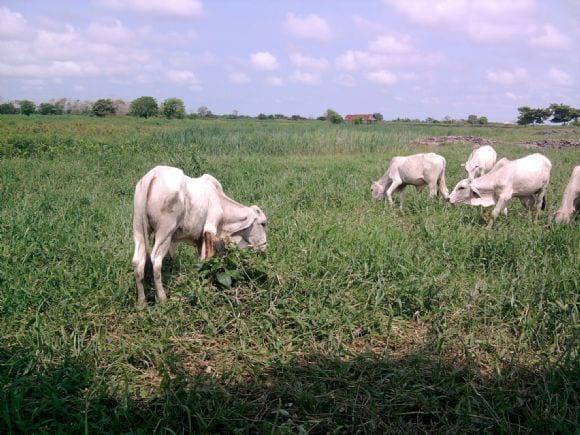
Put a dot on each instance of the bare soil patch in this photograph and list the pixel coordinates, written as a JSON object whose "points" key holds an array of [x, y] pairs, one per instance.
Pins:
{"points": [[552, 143], [475, 141]]}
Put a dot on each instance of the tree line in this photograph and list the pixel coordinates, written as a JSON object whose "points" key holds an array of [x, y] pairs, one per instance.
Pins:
{"points": [[144, 107], [555, 113]]}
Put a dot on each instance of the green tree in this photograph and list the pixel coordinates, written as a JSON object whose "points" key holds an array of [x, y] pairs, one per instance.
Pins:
{"points": [[482, 120], [173, 108], [144, 107], [27, 107], [8, 109], [334, 117], [563, 113], [472, 119], [378, 116], [103, 107], [262, 116], [46, 109], [530, 115]]}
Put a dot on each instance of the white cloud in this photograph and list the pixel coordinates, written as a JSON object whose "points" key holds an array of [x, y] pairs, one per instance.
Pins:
{"points": [[353, 60], [184, 78], [367, 25], [550, 37], [560, 77], [113, 32], [345, 80], [389, 44], [275, 81], [505, 77], [492, 32], [382, 77], [309, 27], [484, 21], [263, 60], [52, 69], [239, 78], [12, 24], [305, 78], [306, 62], [511, 96], [168, 8]]}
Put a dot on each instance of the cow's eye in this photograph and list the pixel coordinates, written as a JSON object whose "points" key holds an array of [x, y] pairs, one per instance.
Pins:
{"points": [[461, 188]]}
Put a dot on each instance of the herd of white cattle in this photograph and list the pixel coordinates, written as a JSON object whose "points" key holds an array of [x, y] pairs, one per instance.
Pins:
{"points": [[177, 208]]}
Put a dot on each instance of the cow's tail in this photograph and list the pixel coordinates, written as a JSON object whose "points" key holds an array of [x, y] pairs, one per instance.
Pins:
{"points": [[544, 202], [141, 224], [442, 185]]}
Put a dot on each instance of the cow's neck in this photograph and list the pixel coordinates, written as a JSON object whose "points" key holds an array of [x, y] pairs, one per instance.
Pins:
{"points": [[486, 183], [384, 181]]}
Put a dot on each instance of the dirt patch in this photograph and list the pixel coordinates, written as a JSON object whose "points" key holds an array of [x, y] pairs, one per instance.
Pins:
{"points": [[475, 141], [552, 143]]}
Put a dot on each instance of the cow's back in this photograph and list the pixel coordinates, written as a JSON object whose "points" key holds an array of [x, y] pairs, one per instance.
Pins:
{"points": [[526, 175]]}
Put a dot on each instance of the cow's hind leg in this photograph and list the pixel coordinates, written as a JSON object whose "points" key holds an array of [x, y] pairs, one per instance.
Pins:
{"points": [[433, 189], [139, 264], [172, 250], [401, 197], [160, 248]]}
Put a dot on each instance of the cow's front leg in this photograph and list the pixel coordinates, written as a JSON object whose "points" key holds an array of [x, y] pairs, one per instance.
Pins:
{"points": [[499, 207], [208, 246], [394, 185]]}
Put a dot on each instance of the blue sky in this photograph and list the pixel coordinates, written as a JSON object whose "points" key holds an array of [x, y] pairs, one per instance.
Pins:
{"points": [[402, 58]]}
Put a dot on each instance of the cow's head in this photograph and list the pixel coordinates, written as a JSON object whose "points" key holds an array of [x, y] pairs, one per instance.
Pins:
{"points": [[465, 192], [377, 190], [249, 231]]}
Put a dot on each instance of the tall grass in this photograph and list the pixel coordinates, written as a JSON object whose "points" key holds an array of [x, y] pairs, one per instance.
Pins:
{"points": [[359, 317]]}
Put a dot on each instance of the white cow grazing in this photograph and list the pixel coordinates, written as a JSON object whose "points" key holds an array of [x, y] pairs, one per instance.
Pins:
{"points": [[480, 161], [571, 198], [178, 208], [526, 178], [417, 170]]}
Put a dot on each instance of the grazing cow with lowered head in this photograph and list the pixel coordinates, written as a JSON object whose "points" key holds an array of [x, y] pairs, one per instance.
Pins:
{"points": [[526, 178], [571, 199], [417, 170], [177, 208], [480, 161]]}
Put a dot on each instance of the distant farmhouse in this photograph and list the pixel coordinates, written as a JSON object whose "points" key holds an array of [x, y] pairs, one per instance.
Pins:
{"points": [[364, 118]]}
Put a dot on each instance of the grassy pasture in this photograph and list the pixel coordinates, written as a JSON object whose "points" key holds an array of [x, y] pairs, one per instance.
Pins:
{"points": [[359, 317]]}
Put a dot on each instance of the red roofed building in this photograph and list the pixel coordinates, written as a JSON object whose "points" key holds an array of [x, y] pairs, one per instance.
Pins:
{"points": [[364, 118]]}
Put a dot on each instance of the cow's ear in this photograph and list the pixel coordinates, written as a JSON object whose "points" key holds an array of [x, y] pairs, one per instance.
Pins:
{"points": [[475, 191], [236, 227]]}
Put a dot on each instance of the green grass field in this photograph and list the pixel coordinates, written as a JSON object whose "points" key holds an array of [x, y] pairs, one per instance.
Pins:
{"points": [[359, 318]]}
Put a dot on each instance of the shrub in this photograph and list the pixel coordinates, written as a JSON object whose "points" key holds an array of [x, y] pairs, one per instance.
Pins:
{"points": [[27, 107], [144, 107], [334, 117], [173, 108], [103, 107], [46, 109], [8, 109]]}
